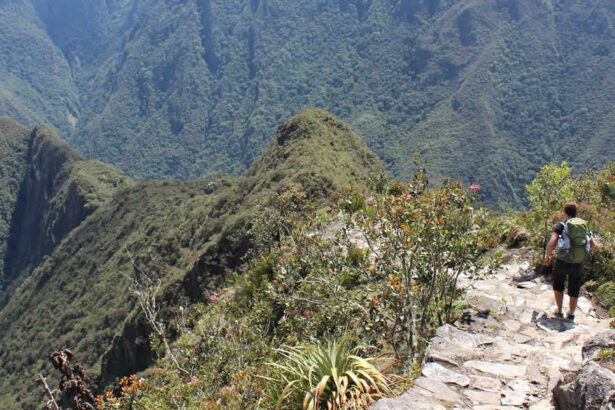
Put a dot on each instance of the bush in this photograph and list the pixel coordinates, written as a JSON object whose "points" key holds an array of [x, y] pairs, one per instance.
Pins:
{"points": [[327, 375], [397, 188], [606, 294]]}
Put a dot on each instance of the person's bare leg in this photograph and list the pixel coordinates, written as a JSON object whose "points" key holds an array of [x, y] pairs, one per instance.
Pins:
{"points": [[559, 300], [573, 304]]}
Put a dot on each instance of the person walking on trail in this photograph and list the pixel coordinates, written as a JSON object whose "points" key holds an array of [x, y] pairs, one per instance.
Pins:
{"points": [[574, 245]]}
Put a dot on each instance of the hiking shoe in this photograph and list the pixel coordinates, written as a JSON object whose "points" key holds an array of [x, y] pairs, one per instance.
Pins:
{"points": [[558, 315], [570, 317]]}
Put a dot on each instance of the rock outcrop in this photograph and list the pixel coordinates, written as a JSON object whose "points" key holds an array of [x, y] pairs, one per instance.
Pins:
{"points": [[593, 387], [507, 352]]}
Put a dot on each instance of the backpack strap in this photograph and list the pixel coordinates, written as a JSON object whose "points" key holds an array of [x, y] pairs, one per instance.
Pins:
{"points": [[564, 227]]}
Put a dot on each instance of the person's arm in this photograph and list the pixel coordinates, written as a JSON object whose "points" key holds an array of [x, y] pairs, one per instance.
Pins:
{"points": [[550, 247]]}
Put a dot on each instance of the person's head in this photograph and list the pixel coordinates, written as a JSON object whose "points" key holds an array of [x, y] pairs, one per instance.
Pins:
{"points": [[570, 209]]}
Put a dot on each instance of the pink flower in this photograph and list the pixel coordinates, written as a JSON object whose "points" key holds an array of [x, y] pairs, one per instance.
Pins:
{"points": [[370, 201], [475, 187], [306, 313], [213, 298], [275, 282]]}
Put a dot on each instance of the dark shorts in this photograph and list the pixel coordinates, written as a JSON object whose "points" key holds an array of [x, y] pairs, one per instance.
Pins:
{"points": [[573, 272]]}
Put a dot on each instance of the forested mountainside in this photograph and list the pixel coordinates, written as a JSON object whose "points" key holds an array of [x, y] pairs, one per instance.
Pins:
{"points": [[190, 234], [47, 190], [486, 90]]}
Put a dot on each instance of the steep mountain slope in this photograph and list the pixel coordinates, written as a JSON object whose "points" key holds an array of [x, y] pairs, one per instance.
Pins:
{"points": [[487, 90], [13, 164], [57, 190], [189, 234], [37, 84]]}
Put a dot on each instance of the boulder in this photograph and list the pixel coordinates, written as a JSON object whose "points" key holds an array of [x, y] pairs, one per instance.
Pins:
{"points": [[601, 341], [591, 388]]}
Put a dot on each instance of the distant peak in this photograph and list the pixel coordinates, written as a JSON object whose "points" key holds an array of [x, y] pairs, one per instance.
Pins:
{"points": [[309, 123]]}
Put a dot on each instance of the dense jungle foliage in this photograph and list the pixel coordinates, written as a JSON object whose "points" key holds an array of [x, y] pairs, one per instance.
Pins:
{"points": [[486, 90]]}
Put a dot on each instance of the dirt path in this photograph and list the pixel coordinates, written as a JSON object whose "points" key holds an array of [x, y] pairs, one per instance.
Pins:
{"points": [[508, 354]]}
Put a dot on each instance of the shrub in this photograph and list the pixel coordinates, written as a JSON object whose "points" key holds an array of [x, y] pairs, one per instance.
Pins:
{"points": [[605, 354], [606, 294], [397, 188], [327, 375]]}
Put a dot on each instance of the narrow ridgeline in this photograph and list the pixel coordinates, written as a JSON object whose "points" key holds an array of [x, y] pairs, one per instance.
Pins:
{"points": [[96, 228]]}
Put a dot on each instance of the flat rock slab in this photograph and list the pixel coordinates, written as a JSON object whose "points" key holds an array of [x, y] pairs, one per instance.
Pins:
{"points": [[438, 372], [519, 392], [462, 337], [455, 346], [483, 397], [542, 405], [410, 400], [485, 383], [503, 370], [438, 390]]}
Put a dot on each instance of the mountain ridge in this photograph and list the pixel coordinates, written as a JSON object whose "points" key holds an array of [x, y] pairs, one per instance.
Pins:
{"points": [[191, 234], [486, 90]]}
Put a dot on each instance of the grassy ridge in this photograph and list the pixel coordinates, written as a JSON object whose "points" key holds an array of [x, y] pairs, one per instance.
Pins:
{"points": [[189, 233]]}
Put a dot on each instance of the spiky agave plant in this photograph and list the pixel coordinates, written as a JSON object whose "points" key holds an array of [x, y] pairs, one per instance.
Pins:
{"points": [[327, 375]]}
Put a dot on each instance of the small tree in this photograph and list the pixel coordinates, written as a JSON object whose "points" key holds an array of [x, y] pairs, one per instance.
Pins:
{"points": [[423, 240], [146, 287], [548, 192]]}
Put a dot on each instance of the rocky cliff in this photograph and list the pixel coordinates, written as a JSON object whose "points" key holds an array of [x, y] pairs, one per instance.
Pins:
{"points": [[58, 190]]}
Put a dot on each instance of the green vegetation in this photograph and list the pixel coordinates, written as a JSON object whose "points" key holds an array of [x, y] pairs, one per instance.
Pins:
{"points": [[187, 89], [605, 354], [190, 235], [357, 275], [548, 193], [327, 375], [13, 164], [56, 193]]}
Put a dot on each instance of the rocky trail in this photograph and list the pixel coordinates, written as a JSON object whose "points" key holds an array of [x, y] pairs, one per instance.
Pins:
{"points": [[509, 353]]}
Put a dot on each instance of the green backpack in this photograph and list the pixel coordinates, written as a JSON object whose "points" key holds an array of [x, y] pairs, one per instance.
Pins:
{"points": [[573, 246]]}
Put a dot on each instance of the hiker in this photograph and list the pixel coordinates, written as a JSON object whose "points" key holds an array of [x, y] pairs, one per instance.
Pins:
{"points": [[574, 245]]}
